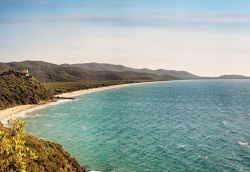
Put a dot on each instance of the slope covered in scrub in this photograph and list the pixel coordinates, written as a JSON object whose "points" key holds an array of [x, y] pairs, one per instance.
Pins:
{"points": [[17, 89]]}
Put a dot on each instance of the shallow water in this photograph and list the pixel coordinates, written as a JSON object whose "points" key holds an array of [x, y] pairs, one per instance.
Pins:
{"points": [[173, 126]]}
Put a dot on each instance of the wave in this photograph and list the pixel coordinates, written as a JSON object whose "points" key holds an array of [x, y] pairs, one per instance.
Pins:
{"points": [[243, 143], [181, 146], [163, 147], [203, 157], [224, 123], [84, 128]]}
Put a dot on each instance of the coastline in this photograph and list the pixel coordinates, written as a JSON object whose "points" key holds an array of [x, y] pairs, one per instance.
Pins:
{"points": [[20, 110]]}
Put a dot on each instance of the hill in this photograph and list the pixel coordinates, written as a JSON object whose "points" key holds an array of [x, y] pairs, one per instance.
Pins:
{"points": [[233, 77], [18, 89], [48, 72], [120, 68]]}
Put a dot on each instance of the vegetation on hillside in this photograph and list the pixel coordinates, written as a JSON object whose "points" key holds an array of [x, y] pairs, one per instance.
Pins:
{"points": [[20, 152], [63, 87], [18, 89], [120, 68]]}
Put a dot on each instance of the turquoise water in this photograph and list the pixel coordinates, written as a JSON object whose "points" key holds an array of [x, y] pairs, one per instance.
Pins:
{"points": [[172, 126]]}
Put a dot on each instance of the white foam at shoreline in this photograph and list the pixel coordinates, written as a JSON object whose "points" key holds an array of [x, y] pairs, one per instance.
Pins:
{"points": [[29, 110]]}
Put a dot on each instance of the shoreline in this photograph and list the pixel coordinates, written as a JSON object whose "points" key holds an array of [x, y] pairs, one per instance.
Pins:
{"points": [[21, 110]]}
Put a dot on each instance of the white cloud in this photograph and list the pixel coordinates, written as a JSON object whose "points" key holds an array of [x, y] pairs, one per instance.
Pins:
{"points": [[143, 19]]}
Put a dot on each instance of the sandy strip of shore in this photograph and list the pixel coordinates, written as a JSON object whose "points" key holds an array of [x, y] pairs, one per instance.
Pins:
{"points": [[21, 110]]}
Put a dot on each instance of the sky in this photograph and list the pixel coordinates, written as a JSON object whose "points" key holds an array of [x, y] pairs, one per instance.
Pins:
{"points": [[204, 37]]}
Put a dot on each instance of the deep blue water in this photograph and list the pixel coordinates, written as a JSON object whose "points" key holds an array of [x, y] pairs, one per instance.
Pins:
{"points": [[173, 126]]}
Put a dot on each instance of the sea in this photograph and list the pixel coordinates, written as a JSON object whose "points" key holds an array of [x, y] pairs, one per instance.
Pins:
{"points": [[174, 126]]}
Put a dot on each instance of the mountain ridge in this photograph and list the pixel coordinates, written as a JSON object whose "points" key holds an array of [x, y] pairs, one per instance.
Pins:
{"points": [[118, 68], [49, 72]]}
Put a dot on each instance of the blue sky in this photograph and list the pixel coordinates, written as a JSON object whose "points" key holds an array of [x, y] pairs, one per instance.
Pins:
{"points": [[206, 37]]}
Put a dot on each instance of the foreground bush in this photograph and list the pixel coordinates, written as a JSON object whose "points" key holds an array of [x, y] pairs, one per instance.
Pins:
{"points": [[20, 152]]}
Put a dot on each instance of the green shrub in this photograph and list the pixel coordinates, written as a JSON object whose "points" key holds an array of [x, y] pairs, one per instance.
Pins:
{"points": [[20, 152]]}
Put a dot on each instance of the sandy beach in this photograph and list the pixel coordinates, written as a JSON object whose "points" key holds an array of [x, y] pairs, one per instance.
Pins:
{"points": [[21, 110]]}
